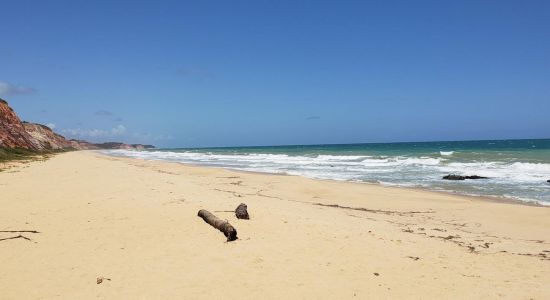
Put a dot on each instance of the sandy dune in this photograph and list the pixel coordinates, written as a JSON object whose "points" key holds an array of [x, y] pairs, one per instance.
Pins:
{"points": [[135, 223]]}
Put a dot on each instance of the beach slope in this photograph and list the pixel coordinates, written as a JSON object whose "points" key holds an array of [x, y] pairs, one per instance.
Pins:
{"points": [[134, 223]]}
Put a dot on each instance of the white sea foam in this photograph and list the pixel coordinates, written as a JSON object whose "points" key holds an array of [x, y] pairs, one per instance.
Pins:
{"points": [[520, 180], [531, 167]]}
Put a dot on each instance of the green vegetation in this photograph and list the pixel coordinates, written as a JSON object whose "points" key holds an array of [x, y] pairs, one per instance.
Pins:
{"points": [[16, 154], [23, 155]]}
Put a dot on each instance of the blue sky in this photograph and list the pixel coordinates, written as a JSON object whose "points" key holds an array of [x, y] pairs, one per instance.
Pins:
{"points": [[227, 73]]}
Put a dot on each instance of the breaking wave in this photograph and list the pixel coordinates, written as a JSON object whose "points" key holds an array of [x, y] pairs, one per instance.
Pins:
{"points": [[511, 179]]}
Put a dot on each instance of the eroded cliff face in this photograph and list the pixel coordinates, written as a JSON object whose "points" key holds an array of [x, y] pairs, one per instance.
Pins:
{"points": [[82, 145], [37, 137], [115, 145], [12, 131], [45, 138]]}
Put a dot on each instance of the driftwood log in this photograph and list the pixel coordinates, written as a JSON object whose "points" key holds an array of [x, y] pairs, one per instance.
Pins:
{"points": [[241, 212], [222, 225]]}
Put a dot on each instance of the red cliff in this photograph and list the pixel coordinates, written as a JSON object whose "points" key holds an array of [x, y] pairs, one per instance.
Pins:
{"points": [[12, 131], [37, 137]]}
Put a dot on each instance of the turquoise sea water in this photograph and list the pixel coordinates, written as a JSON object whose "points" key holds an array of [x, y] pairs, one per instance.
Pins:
{"points": [[517, 169]]}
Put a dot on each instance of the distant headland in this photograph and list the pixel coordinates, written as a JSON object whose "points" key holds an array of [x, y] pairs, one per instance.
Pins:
{"points": [[15, 134]]}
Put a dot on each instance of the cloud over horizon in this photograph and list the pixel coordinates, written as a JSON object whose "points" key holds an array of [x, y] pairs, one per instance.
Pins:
{"points": [[149, 137], [116, 131], [7, 89], [103, 113]]}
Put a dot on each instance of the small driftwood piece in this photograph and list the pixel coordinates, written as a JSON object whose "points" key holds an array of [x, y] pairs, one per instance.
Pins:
{"points": [[17, 231], [222, 225], [241, 212], [16, 237]]}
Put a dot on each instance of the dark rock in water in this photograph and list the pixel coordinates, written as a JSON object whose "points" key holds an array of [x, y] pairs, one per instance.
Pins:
{"points": [[454, 177], [476, 177], [241, 212], [548, 180], [460, 177]]}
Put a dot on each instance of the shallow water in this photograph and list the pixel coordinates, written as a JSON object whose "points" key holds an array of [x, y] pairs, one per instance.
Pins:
{"points": [[517, 169]]}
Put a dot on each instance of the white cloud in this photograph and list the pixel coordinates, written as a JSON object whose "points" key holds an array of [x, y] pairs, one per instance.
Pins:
{"points": [[51, 125], [118, 130], [103, 113], [152, 137], [96, 133], [7, 89]]}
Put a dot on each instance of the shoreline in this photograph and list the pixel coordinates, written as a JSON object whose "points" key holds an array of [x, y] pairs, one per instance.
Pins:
{"points": [[496, 199], [84, 215], [490, 198]]}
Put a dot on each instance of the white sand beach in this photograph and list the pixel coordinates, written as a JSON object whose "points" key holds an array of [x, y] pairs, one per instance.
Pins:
{"points": [[135, 224]]}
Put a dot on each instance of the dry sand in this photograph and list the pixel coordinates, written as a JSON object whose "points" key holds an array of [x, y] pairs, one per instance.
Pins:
{"points": [[135, 222]]}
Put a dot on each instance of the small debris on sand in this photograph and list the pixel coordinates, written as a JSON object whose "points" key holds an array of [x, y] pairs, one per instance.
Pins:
{"points": [[99, 280]]}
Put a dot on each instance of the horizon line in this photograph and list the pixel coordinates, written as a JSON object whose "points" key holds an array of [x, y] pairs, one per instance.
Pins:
{"points": [[360, 143]]}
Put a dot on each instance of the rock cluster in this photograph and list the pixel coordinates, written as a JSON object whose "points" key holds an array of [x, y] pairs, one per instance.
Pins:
{"points": [[460, 177]]}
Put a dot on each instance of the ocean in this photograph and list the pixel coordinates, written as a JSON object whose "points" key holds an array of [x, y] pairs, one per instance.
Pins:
{"points": [[517, 169]]}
